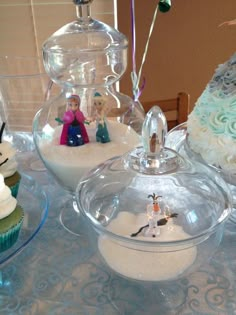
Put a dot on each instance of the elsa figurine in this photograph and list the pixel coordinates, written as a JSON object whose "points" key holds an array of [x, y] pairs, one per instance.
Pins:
{"points": [[102, 134]]}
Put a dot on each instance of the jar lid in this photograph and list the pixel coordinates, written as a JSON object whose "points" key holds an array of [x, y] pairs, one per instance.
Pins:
{"points": [[85, 52]]}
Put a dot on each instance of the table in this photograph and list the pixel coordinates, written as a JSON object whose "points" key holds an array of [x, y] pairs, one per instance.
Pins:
{"points": [[60, 273]]}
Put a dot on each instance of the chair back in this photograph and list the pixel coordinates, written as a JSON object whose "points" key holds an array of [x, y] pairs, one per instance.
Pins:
{"points": [[175, 109]]}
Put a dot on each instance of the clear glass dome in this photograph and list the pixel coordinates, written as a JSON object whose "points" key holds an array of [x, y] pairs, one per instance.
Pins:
{"points": [[85, 52], [154, 206]]}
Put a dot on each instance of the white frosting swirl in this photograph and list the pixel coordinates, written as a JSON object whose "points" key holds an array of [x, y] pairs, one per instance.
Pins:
{"points": [[212, 123], [7, 201], [216, 149], [8, 164], [217, 122]]}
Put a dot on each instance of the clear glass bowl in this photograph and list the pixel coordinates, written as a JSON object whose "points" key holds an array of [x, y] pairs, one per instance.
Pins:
{"points": [[228, 177], [156, 216], [24, 86], [177, 139], [34, 201], [69, 163]]}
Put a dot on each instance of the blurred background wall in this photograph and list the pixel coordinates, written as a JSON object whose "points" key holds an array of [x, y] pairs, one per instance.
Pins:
{"points": [[26, 24], [186, 45]]}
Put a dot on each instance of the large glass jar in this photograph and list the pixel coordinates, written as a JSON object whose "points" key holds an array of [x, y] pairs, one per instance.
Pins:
{"points": [[86, 58]]}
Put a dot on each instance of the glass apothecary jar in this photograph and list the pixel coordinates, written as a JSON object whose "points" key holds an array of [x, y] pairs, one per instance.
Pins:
{"points": [[155, 215], [86, 58], [89, 121]]}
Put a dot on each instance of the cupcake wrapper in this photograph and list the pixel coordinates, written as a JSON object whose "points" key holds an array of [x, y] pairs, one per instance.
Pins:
{"points": [[13, 182], [9, 238], [15, 189]]}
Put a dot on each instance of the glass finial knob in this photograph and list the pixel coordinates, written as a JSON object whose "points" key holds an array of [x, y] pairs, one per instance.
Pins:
{"points": [[154, 131], [153, 158]]}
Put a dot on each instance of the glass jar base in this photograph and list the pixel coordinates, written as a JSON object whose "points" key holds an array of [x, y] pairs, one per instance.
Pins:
{"points": [[69, 217]]}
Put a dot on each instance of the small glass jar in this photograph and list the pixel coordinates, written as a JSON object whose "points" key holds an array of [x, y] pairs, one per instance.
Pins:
{"points": [[156, 216]]}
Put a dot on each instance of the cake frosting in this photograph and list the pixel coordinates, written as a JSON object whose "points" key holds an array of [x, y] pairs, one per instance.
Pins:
{"points": [[8, 164], [69, 164], [145, 263], [211, 125], [7, 201]]}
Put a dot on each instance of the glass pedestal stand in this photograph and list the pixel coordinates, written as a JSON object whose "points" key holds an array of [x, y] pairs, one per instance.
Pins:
{"points": [[169, 296]]}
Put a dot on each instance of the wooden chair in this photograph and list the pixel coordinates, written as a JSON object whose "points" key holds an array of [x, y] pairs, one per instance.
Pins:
{"points": [[176, 109]]}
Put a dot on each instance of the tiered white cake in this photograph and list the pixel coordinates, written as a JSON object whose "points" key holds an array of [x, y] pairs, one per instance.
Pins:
{"points": [[212, 123]]}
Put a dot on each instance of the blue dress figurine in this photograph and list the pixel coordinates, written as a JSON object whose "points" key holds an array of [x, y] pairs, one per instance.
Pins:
{"points": [[102, 134]]}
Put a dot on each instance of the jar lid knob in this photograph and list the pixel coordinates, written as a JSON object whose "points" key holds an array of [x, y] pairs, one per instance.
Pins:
{"points": [[153, 158], [154, 131]]}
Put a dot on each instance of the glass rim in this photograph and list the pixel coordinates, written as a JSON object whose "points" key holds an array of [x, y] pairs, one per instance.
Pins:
{"points": [[24, 60]]}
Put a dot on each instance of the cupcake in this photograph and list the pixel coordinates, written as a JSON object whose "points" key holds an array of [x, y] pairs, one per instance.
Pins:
{"points": [[11, 217], [8, 165]]}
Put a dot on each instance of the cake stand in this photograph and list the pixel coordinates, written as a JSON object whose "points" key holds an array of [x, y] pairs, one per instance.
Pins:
{"points": [[34, 201], [177, 139]]}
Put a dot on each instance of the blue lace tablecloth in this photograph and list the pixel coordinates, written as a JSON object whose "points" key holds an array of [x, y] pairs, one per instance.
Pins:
{"points": [[60, 273]]}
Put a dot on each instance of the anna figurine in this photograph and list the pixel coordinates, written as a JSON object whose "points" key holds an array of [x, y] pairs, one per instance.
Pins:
{"points": [[73, 132]]}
